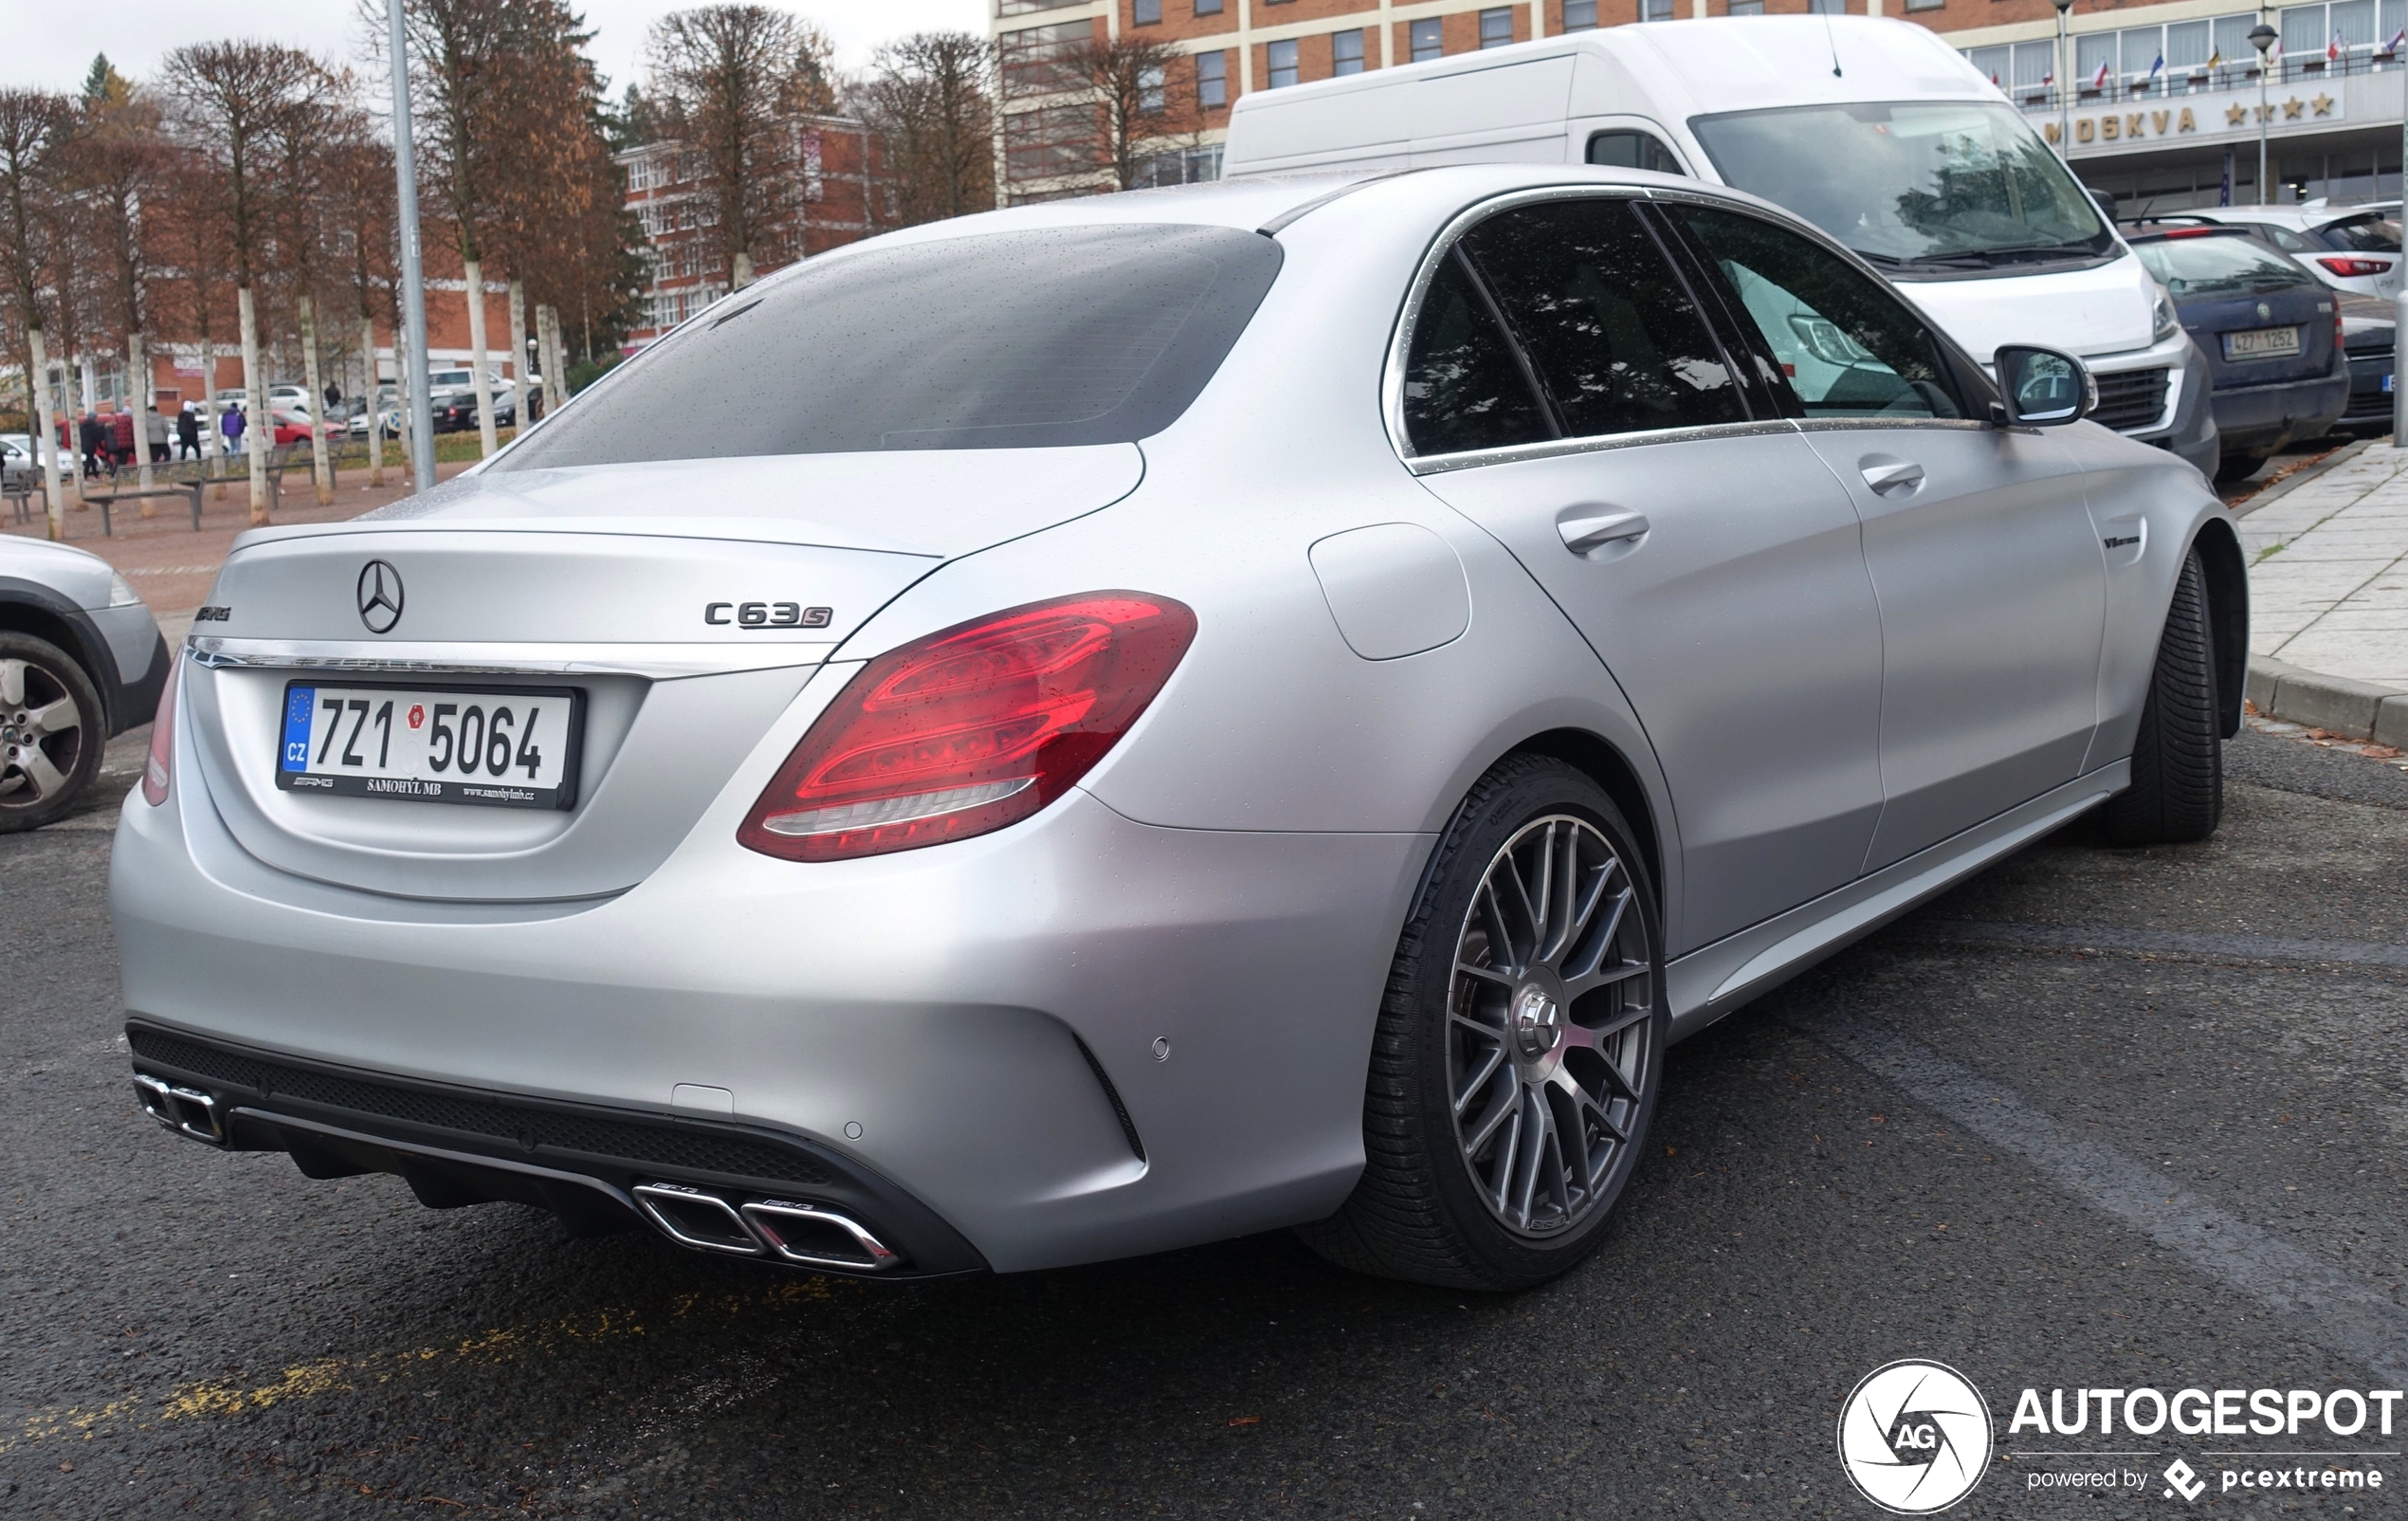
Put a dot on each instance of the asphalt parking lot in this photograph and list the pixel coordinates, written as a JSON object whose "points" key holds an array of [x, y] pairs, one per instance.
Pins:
{"points": [[2098, 1118]]}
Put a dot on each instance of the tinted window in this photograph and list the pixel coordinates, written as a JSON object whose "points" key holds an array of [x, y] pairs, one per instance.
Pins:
{"points": [[1464, 389], [1633, 150], [2218, 265], [2363, 234], [1085, 335], [1850, 347], [1616, 341]]}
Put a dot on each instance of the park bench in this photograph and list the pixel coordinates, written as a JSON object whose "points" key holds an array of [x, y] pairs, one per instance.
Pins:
{"points": [[191, 490]]}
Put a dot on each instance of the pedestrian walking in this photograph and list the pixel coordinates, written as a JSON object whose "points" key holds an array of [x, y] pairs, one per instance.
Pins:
{"points": [[88, 440], [188, 435], [154, 434], [232, 425], [334, 397]]}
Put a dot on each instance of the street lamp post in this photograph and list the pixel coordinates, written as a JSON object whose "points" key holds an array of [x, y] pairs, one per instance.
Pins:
{"points": [[2262, 38], [2399, 299], [2064, 74], [409, 345]]}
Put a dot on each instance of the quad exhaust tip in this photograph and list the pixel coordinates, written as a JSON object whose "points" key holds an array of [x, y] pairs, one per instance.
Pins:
{"points": [[807, 1235], [185, 1111]]}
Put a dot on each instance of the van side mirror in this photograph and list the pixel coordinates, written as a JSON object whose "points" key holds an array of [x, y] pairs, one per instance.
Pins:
{"points": [[2043, 388]]}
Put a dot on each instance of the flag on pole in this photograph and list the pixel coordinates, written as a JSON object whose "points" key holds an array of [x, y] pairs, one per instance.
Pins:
{"points": [[2396, 38], [2098, 81], [2332, 50], [2157, 68], [2215, 59]]}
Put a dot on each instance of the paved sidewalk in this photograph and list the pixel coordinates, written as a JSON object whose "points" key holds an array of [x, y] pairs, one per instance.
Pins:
{"points": [[2328, 571]]}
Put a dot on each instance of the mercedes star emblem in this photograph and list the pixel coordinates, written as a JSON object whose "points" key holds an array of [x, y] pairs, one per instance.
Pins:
{"points": [[379, 596]]}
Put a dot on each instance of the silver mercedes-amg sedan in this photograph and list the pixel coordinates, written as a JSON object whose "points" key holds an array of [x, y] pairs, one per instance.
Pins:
{"points": [[1113, 725]]}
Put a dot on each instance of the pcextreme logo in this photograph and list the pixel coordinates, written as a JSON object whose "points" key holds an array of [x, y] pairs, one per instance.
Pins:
{"points": [[1914, 1437]]}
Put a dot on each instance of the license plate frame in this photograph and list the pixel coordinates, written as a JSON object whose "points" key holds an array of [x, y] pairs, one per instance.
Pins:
{"points": [[479, 792], [2264, 343]]}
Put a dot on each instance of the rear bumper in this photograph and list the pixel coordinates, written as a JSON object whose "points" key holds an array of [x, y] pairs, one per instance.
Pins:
{"points": [[2268, 416], [945, 1030], [2369, 403]]}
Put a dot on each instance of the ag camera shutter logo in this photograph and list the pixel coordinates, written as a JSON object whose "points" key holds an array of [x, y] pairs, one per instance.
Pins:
{"points": [[1914, 1437]]}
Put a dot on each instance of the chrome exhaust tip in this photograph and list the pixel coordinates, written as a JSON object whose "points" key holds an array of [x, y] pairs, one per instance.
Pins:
{"points": [[187, 1111], [693, 1218], [817, 1238]]}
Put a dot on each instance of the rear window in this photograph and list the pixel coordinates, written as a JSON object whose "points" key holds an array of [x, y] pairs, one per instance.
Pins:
{"points": [[2363, 234], [2218, 265], [1061, 335]]}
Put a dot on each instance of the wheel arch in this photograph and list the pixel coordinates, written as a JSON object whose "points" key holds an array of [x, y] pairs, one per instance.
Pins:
{"points": [[58, 625], [1597, 757], [2227, 575]]}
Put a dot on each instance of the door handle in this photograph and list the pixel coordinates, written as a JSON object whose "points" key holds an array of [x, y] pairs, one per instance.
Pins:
{"points": [[1580, 534], [1902, 477]]}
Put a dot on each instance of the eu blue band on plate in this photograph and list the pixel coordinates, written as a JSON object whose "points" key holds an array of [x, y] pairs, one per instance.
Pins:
{"points": [[298, 700]]}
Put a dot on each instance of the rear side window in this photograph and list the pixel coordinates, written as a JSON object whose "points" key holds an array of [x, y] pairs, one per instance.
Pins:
{"points": [[2363, 234], [1849, 346], [1064, 336], [1633, 150], [1465, 387], [1617, 343]]}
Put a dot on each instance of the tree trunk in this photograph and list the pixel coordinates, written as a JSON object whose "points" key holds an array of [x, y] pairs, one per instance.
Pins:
{"points": [[555, 363], [321, 470], [138, 372], [740, 272], [258, 428], [212, 436], [375, 403], [486, 442], [46, 435], [518, 355]]}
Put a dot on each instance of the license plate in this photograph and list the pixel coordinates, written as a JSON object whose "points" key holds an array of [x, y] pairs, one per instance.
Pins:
{"points": [[2386, 382], [2262, 343], [494, 747]]}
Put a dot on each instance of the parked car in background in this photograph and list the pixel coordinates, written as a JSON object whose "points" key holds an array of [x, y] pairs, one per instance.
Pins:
{"points": [[1874, 129], [2271, 332], [2353, 248], [80, 662], [2366, 335], [293, 427], [17, 466], [1266, 704], [457, 412]]}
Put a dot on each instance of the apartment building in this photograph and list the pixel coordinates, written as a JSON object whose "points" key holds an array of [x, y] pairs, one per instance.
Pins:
{"points": [[830, 160], [2157, 103]]}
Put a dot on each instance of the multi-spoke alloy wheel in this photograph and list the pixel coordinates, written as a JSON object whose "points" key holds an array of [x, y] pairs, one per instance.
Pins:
{"points": [[1551, 1024], [49, 732], [1519, 1046]]}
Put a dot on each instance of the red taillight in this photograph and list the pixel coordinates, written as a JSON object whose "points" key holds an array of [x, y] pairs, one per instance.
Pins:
{"points": [[969, 729], [2354, 268], [156, 769]]}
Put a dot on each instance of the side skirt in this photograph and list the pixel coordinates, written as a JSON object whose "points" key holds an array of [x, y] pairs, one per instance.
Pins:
{"points": [[1712, 981]]}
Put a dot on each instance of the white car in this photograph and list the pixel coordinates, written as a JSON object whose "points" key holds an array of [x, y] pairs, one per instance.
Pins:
{"points": [[18, 468], [80, 662], [2353, 249]]}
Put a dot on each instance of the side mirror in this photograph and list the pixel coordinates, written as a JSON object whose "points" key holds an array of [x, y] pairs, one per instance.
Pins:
{"points": [[2043, 388]]}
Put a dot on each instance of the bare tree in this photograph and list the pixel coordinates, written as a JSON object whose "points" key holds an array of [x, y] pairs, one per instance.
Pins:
{"points": [[550, 181], [35, 127], [115, 165], [929, 103], [234, 101], [727, 81], [1138, 115], [360, 201]]}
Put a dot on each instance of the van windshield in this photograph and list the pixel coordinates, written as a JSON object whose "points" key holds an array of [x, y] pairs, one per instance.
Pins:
{"points": [[1918, 187], [1098, 334]]}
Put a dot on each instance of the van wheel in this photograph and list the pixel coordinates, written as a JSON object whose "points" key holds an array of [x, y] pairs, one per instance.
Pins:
{"points": [[50, 732], [1519, 1047], [2178, 758]]}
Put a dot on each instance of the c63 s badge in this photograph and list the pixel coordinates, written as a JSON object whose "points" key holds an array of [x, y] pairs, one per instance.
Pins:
{"points": [[767, 614]]}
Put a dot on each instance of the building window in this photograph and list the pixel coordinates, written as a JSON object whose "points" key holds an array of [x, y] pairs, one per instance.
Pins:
{"points": [[1428, 39], [1208, 8], [1925, 5], [1282, 57], [1662, 10], [1496, 27], [1346, 52], [1190, 166], [1057, 140], [1747, 8], [1034, 60], [1211, 79], [1146, 12], [1580, 15], [1153, 92], [1018, 8], [1827, 7]]}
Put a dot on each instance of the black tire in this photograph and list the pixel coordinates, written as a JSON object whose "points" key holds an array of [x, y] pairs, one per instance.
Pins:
{"points": [[2176, 795], [1422, 1211], [2236, 465], [47, 764]]}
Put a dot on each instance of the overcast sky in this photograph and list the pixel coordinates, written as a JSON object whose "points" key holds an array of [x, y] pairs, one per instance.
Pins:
{"points": [[136, 32]]}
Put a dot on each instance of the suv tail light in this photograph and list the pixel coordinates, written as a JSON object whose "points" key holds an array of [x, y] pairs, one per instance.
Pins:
{"points": [[156, 768], [971, 728], [2355, 268]]}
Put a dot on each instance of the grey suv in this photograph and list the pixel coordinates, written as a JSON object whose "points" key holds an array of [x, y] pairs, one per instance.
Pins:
{"points": [[80, 662]]}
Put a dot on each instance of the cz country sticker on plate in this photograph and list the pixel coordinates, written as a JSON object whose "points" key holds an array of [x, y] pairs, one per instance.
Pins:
{"points": [[496, 746]]}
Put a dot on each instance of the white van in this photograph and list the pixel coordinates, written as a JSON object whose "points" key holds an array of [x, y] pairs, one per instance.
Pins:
{"points": [[1875, 130]]}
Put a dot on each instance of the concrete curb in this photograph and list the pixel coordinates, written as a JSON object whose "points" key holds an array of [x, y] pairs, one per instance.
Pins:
{"points": [[2285, 486], [2361, 709]]}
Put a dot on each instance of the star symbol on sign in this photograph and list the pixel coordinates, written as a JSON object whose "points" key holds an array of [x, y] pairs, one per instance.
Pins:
{"points": [[2291, 109], [2235, 115], [2324, 104]]}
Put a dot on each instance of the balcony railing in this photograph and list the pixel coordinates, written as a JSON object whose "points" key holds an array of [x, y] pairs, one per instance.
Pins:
{"points": [[2199, 80]]}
